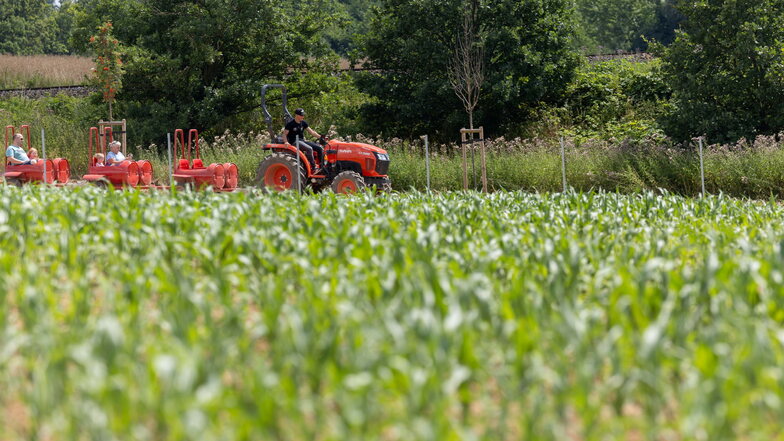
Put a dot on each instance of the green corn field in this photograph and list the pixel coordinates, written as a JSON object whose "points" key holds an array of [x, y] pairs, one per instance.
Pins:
{"points": [[456, 316]]}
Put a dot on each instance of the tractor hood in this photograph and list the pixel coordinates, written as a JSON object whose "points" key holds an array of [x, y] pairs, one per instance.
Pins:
{"points": [[356, 146]]}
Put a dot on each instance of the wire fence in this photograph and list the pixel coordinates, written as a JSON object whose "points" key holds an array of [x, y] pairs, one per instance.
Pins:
{"points": [[745, 169]]}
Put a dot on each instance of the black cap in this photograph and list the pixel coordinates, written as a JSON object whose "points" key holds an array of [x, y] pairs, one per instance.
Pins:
{"points": [[300, 112]]}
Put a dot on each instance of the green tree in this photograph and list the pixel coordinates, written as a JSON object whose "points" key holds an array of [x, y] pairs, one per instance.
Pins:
{"points": [[65, 18], [668, 19], [353, 21], [195, 63], [528, 64], [610, 25], [606, 26], [726, 69], [28, 27]]}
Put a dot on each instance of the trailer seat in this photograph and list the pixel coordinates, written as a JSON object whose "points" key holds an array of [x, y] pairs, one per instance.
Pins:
{"points": [[198, 163], [184, 164]]}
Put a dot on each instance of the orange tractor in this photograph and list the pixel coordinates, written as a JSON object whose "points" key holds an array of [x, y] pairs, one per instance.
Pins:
{"points": [[347, 166], [44, 170]]}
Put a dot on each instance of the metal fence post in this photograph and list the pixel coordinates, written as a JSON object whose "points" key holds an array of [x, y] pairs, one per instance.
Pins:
{"points": [[563, 164], [702, 169], [43, 152], [169, 151], [299, 167], [427, 161]]}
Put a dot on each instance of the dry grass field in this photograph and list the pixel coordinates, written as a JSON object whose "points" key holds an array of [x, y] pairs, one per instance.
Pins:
{"points": [[18, 71]]}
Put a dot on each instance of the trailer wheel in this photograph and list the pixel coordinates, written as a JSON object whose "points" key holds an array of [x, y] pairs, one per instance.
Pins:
{"points": [[101, 183], [278, 172], [348, 182], [13, 182]]}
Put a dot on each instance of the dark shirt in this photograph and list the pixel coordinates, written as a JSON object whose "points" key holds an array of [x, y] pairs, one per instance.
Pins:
{"points": [[296, 130]]}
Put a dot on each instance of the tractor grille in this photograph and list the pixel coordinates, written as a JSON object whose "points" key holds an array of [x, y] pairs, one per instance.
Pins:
{"points": [[382, 166]]}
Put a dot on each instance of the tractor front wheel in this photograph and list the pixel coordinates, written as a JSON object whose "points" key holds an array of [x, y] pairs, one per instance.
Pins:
{"points": [[278, 172], [348, 182]]}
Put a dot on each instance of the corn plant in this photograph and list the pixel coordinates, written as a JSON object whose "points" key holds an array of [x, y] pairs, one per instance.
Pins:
{"points": [[169, 316]]}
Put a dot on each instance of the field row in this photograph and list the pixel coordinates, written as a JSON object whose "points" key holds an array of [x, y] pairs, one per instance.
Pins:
{"points": [[459, 316]]}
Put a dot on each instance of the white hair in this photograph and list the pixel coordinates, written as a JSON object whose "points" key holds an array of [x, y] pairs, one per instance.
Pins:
{"points": [[114, 143]]}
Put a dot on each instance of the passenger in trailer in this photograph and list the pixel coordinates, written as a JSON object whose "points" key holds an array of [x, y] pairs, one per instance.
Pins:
{"points": [[99, 159], [15, 154], [114, 157], [33, 155]]}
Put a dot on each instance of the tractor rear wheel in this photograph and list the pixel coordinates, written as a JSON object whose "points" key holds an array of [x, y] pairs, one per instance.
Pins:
{"points": [[278, 172], [348, 182]]}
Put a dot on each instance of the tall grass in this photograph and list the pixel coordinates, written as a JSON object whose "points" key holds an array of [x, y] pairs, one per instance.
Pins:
{"points": [[752, 169], [21, 71], [508, 316]]}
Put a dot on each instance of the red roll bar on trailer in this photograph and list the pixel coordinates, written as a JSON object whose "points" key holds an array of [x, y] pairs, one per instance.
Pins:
{"points": [[189, 169]]}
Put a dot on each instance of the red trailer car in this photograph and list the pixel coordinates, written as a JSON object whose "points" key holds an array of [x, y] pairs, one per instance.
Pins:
{"points": [[189, 169], [50, 171], [127, 174]]}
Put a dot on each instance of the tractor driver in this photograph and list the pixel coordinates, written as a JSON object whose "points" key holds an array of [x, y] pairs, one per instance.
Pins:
{"points": [[295, 129]]}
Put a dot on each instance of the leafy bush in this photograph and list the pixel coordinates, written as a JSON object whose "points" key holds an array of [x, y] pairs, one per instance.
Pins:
{"points": [[615, 99]]}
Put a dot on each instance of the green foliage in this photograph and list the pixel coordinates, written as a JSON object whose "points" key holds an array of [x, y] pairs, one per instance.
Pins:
{"points": [[29, 27], [354, 21], [606, 26], [197, 63], [528, 64], [726, 69], [612, 25], [615, 99], [207, 317]]}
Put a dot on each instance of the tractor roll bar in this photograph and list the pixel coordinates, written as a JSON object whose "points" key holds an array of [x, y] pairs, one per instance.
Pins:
{"points": [[267, 117]]}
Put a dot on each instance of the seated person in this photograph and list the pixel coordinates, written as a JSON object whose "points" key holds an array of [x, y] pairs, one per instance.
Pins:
{"points": [[15, 154], [99, 160], [33, 155], [295, 129], [115, 157]]}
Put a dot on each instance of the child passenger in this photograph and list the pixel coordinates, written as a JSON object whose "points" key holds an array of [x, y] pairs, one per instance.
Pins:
{"points": [[33, 155], [99, 160]]}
